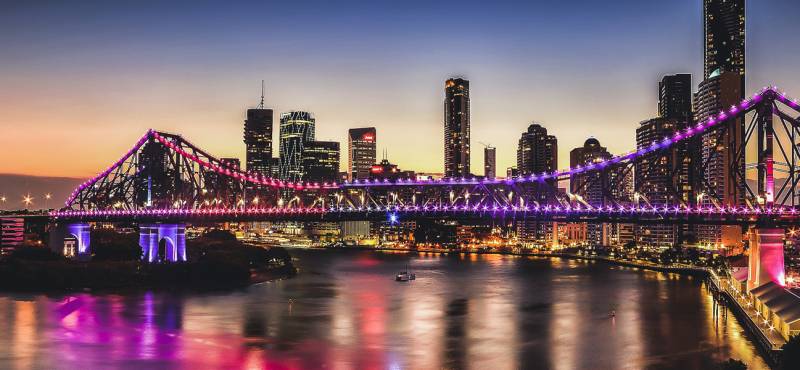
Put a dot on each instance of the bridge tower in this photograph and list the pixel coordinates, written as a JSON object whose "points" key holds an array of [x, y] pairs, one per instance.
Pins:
{"points": [[163, 242], [766, 258], [71, 240]]}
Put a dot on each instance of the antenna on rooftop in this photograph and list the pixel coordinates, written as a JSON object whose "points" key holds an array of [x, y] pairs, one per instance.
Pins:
{"points": [[261, 105]]}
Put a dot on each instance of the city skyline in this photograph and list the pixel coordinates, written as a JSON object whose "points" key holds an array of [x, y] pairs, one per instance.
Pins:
{"points": [[218, 122], [626, 145]]}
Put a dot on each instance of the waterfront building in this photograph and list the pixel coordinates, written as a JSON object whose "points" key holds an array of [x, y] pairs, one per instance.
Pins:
{"points": [[324, 232], [361, 152], [537, 153], [658, 180], [12, 233], [570, 233], [354, 231], [320, 161], [456, 128], [589, 187], [721, 172], [489, 162], [297, 129], [779, 307]]}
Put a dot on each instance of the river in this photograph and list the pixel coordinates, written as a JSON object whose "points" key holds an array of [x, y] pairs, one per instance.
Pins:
{"points": [[344, 311]]}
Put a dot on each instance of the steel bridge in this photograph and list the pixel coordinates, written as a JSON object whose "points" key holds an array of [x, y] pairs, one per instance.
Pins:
{"points": [[165, 178]]}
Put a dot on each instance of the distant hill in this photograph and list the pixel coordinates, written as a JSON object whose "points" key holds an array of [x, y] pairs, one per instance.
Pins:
{"points": [[15, 187]]}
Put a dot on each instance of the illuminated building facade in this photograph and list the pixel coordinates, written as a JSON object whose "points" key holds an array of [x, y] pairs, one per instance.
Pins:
{"points": [[361, 150], [537, 152], [297, 129], [718, 155], [320, 161], [490, 162], [589, 187], [258, 140], [657, 179], [456, 128], [724, 38]]}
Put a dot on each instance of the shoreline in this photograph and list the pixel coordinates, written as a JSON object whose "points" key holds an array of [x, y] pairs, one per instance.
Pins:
{"points": [[138, 277], [685, 270]]}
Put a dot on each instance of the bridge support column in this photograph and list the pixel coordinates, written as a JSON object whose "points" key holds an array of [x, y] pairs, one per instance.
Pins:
{"points": [[71, 240], [163, 242], [766, 258]]}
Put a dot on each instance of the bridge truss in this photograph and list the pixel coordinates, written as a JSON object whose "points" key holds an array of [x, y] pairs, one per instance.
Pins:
{"points": [[165, 176]]}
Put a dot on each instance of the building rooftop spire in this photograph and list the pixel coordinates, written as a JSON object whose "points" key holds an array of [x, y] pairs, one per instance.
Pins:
{"points": [[261, 105]]}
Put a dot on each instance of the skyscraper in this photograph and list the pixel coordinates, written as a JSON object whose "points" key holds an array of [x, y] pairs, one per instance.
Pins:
{"points": [[590, 152], [722, 154], [537, 153], [658, 178], [456, 128], [258, 140], [724, 26], [675, 97], [361, 148], [321, 161], [297, 129], [590, 186], [489, 162]]}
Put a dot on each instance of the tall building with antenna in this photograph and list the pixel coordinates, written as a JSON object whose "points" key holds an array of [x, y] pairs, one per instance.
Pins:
{"points": [[258, 138]]}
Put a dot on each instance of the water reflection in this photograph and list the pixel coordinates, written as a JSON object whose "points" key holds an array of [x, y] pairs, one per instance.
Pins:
{"points": [[345, 311]]}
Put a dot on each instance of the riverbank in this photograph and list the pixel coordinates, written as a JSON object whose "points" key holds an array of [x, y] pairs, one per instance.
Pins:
{"points": [[216, 261], [48, 276]]}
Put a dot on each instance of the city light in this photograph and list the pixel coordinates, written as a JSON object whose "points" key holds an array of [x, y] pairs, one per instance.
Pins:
{"points": [[700, 196]]}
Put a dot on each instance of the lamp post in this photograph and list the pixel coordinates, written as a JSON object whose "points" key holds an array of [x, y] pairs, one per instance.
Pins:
{"points": [[28, 200]]}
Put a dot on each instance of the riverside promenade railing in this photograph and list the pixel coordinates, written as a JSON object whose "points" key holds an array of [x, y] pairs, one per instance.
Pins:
{"points": [[766, 338]]}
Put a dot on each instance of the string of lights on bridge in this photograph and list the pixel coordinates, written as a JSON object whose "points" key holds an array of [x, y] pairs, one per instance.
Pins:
{"points": [[555, 210], [251, 177]]}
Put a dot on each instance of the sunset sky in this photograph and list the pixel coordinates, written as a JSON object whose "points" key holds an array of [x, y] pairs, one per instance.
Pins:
{"points": [[81, 81]]}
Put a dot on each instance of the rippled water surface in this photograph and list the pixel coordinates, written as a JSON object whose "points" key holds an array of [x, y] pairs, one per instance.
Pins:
{"points": [[346, 311]]}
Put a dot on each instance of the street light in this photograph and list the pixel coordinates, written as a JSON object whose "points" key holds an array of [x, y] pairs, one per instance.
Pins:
{"points": [[28, 200]]}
